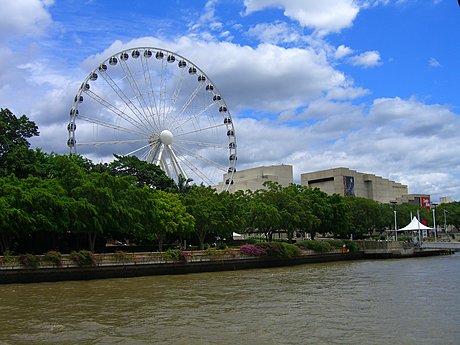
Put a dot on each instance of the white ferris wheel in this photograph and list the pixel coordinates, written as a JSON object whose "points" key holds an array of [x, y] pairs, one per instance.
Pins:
{"points": [[159, 106]]}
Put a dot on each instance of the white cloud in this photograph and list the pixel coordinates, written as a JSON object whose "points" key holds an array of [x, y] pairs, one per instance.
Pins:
{"points": [[366, 60], [433, 62], [342, 51], [274, 33], [324, 16], [24, 17], [265, 78]]}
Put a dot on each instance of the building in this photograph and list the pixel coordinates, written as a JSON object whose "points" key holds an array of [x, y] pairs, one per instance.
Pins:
{"points": [[420, 200], [344, 181], [254, 178], [445, 200]]}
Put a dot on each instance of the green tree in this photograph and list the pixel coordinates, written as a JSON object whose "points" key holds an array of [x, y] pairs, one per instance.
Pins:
{"points": [[263, 215], [14, 132], [15, 155], [366, 216], [161, 214], [147, 174], [204, 205]]}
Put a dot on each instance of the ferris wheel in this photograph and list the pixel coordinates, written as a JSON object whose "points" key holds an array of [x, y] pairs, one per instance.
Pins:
{"points": [[159, 106]]}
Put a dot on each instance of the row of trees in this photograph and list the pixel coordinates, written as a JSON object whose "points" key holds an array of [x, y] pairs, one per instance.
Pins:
{"points": [[51, 201]]}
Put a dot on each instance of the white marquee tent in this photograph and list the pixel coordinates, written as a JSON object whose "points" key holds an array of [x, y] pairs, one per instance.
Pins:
{"points": [[415, 225]]}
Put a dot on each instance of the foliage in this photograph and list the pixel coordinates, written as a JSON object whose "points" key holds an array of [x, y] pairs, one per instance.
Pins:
{"points": [[14, 146], [273, 249], [53, 257], [146, 174], [290, 250], [352, 246], [335, 243], [316, 246], [209, 212], [67, 197], [83, 258], [177, 254], [251, 250], [28, 260], [122, 256]]}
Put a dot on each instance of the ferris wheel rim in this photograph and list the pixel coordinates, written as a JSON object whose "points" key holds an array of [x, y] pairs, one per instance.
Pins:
{"points": [[154, 142]]}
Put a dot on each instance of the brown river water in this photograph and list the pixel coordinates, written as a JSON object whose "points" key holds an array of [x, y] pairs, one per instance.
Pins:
{"points": [[406, 301]]}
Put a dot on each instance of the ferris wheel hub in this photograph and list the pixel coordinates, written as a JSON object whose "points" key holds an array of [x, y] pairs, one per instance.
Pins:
{"points": [[166, 137]]}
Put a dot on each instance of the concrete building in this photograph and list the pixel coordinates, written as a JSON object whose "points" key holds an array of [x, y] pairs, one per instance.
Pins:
{"points": [[254, 178], [421, 200], [445, 200], [344, 181]]}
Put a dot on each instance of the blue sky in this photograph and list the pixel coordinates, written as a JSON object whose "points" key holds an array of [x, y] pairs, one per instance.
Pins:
{"points": [[371, 85]]}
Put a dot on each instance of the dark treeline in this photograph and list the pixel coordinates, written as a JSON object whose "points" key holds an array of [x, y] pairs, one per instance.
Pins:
{"points": [[66, 202]]}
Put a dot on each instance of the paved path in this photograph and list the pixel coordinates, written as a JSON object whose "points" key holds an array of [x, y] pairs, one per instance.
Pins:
{"points": [[442, 245]]}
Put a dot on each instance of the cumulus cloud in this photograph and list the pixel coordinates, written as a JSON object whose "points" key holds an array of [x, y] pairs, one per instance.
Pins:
{"points": [[324, 16], [274, 33], [366, 60], [342, 51], [265, 78], [24, 17]]}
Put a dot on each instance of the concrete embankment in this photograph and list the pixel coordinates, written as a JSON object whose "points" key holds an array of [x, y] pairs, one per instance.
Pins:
{"points": [[126, 270]]}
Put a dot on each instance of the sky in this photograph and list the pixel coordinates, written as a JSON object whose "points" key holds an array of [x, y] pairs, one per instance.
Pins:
{"points": [[371, 85]]}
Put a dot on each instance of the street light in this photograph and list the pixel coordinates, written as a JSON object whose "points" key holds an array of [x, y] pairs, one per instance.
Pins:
{"points": [[396, 221], [445, 222], [434, 221]]}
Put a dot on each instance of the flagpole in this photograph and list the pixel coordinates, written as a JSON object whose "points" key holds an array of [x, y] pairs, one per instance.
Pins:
{"points": [[418, 218]]}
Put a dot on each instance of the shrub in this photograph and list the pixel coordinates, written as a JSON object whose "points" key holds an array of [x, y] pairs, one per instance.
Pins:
{"points": [[252, 250], [172, 254], [316, 246], [290, 250], [352, 246], [280, 249], [221, 246], [8, 257], [53, 257], [122, 256], [28, 260], [335, 243], [83, 258]]}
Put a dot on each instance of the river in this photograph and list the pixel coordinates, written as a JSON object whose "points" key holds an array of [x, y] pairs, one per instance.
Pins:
{"points": [[405, 301]]}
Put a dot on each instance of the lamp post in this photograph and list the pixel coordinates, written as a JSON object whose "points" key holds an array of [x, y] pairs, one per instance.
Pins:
{"points": [[396, 220], [445, 222], [434, 221]]}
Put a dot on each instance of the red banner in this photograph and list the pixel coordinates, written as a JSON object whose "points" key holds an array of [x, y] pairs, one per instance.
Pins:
{"points": [[425, 201]]}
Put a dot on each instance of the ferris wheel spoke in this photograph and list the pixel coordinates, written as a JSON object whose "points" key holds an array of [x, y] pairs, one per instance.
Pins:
{"points": [[193, 116], [200, 157], [110, 125], [197, 171], [140, 99], [150, 91], [177, 89], [163, 93], [115, 110], [198, 143], [111, 142], [189, 100], [139, 149], [125, 98], [200, 130]]}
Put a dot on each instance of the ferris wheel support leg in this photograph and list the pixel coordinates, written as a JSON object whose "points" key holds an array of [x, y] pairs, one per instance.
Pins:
{"points": [[175, 164]]}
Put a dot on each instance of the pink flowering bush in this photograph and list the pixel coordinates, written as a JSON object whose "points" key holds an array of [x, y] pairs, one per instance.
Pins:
{"points": [[252, 250]]}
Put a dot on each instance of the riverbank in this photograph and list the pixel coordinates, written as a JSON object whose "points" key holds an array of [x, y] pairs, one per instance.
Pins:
{"points": [[148, 264]]}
